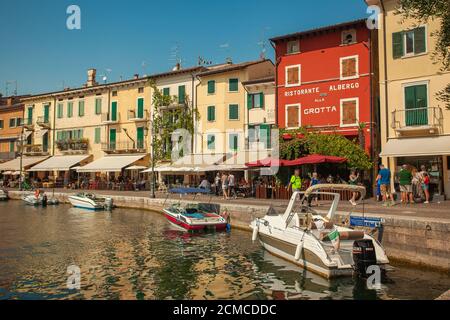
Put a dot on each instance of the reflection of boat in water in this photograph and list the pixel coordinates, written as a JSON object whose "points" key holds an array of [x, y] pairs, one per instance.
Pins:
{"points": [[304, 237], [3, 195], [90, 202]]}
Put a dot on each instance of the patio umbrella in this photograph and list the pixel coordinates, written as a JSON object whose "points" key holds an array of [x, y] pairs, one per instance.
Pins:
{"points": [[314, 159], [268, 162]]}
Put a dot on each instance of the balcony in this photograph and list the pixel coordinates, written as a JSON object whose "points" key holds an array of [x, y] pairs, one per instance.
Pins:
{"points": [[416, 120], [73, 146], [109, 118], [133, 115], [124, 147], [35, 150], [43, 122], [28, 124]]}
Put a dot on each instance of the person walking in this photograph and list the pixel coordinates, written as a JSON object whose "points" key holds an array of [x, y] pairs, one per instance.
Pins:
{"points": [[353, 181], [313, 182], [224, 181], [296, 181], [217, 183], [405, 179], [384, 175], [232, 186], [425, 181]]}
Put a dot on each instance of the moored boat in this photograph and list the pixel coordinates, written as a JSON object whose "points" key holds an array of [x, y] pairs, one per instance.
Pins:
{"points": [[3, 195], [39, 200], [191, 218], [306, 238], [90, 202]]}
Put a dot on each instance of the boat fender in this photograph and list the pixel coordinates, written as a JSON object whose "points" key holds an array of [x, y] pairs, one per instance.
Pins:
{"points": [[255, 231], [299, 250]]}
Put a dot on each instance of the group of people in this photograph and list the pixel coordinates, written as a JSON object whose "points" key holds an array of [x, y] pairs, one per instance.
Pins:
{"points": [[411, 181]]}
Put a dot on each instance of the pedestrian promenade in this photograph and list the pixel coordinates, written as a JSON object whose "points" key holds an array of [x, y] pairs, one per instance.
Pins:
{"points": [[439, 211]]}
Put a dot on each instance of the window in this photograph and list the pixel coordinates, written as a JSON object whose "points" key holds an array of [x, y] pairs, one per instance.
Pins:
{"points": [[233, 112], [141, 90], [293, 76], [211, 87], [181, 94], [69, 134], [409, 43], [114, 93], [69, 109], [349, 112], [293, 116], [140, 108], [113, 115], [260, 133], [211, 113], [416, 104], [233, 139], [80, 108], [97, 135], [211, 142], [348, 37], [98, 106], [11, 146], [255, 100], [140, 137], [349, 67], [60, 110], [293, 47], [19, 122], [30, 116], [12, 123], [166, 92], [1, 124], [233, 85]]}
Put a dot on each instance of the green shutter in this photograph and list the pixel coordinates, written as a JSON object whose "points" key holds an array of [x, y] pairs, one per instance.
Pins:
{"points": [[234, 85], [11, 146], [140, 108], [420, 40], [140, 137], [60, 110], [249, 101], [113, 115], [69, 109], [97, 135], [211, 87], [416, 104], [261, 100], [397, 45], [211, 113], [233, 112], [46, 113], [181, 94], [112, 139], [80, 108], [98, 106], [166, 92], [265, 135], [30, 116]]}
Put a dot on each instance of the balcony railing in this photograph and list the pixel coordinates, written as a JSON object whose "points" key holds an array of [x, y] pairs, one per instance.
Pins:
{"points": [[35, 150], [133, 115], [417, 119], [124, 147], [74, 146], [28, 124], [109, 118], [43, 122]]}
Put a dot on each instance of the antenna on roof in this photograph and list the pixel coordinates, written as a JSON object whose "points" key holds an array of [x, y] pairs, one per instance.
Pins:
{"points": [[203, 62], [104, 76], [263, 44], [175, 57]]}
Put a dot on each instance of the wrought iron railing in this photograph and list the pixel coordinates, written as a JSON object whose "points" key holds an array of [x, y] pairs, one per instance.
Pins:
{"points": [[418, 117], [124, 146]]}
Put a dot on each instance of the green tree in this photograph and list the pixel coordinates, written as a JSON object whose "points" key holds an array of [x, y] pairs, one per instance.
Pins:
{"points": [[423, 11]]}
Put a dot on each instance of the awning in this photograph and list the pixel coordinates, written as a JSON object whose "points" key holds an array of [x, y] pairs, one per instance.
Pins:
{"points": [[193, 163], [111, 163], [59, 163], [314, 159], [14, 165], [413, 147], [139, 168]]}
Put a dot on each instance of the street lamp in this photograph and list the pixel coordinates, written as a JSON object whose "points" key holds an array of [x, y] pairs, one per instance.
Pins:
{"points": [[152, 122], [20, 148]]}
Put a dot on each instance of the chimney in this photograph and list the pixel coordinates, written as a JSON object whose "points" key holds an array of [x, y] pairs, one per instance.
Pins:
{"points": [[9, 101], [229, 60], [91, 78], [136, 76], [177, 67]]}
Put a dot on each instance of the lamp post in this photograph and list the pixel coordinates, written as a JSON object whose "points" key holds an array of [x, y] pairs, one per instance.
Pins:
{"points": [[153, 155], [20, 147]]}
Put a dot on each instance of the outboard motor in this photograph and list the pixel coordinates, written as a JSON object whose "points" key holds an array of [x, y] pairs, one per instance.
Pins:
{"points": [[44, 200], [109, 204], [364, 256]]}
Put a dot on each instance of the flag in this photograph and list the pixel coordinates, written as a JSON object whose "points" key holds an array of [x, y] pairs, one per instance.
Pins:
{"points": [[335, 240], [320, 225]]}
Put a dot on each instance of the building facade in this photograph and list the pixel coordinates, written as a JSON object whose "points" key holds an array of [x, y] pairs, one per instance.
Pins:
{"points": [[325, 81], [415, 124], [222, 104], [11, 117]]}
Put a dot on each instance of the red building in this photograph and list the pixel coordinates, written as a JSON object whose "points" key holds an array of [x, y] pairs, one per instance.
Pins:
{"points": [[326, 80]]}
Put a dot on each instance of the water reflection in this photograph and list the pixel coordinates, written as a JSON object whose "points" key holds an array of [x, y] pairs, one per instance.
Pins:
{"points": [[132, 254]]}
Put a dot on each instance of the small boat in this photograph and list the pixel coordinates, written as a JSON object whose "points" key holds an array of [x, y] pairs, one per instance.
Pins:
{"points": [[90, 202], [191, 218], [40, 200], [3, 195], [313, 242]]}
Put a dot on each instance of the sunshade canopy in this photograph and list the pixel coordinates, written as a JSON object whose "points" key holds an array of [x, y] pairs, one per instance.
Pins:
{"points": [[111, 163], [314, 159], [413, 147], [59, 163], [14, 165]]}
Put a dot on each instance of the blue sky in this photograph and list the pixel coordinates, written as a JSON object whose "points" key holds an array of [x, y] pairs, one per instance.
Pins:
{"points": [[121, 38]]}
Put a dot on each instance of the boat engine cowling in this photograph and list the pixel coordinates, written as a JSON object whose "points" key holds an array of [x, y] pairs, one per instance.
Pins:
{"points": [[364, 256], [109, 204]]}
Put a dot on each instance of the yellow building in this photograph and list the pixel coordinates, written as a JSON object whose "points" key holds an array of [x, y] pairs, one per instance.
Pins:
{"points": [[222, 104], [415, 126]]}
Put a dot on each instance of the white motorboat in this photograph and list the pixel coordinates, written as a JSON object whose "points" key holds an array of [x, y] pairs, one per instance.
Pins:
{"points": [[40, 200], [90, 202], [3, 195], [306, 238], [191, 218]]}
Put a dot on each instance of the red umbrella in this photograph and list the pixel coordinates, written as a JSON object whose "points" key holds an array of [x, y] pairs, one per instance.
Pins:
{"points": [[314, 159], [268, 162]]}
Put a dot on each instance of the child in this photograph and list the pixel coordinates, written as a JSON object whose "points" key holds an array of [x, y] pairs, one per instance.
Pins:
{"points": [[426, 187]]}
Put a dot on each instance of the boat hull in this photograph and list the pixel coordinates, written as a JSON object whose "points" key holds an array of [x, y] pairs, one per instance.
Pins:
{"points": [[194, 226], [86, 204]]}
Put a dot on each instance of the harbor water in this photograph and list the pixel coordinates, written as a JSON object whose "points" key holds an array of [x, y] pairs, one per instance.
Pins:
{"points": [[134, 254]]}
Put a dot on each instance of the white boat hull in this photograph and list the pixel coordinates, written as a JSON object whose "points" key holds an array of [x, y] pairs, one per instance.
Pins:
{"points": [[86, 203]]}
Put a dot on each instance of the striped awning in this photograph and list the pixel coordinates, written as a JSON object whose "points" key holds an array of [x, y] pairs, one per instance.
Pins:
{"points": [[59, 163]]}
